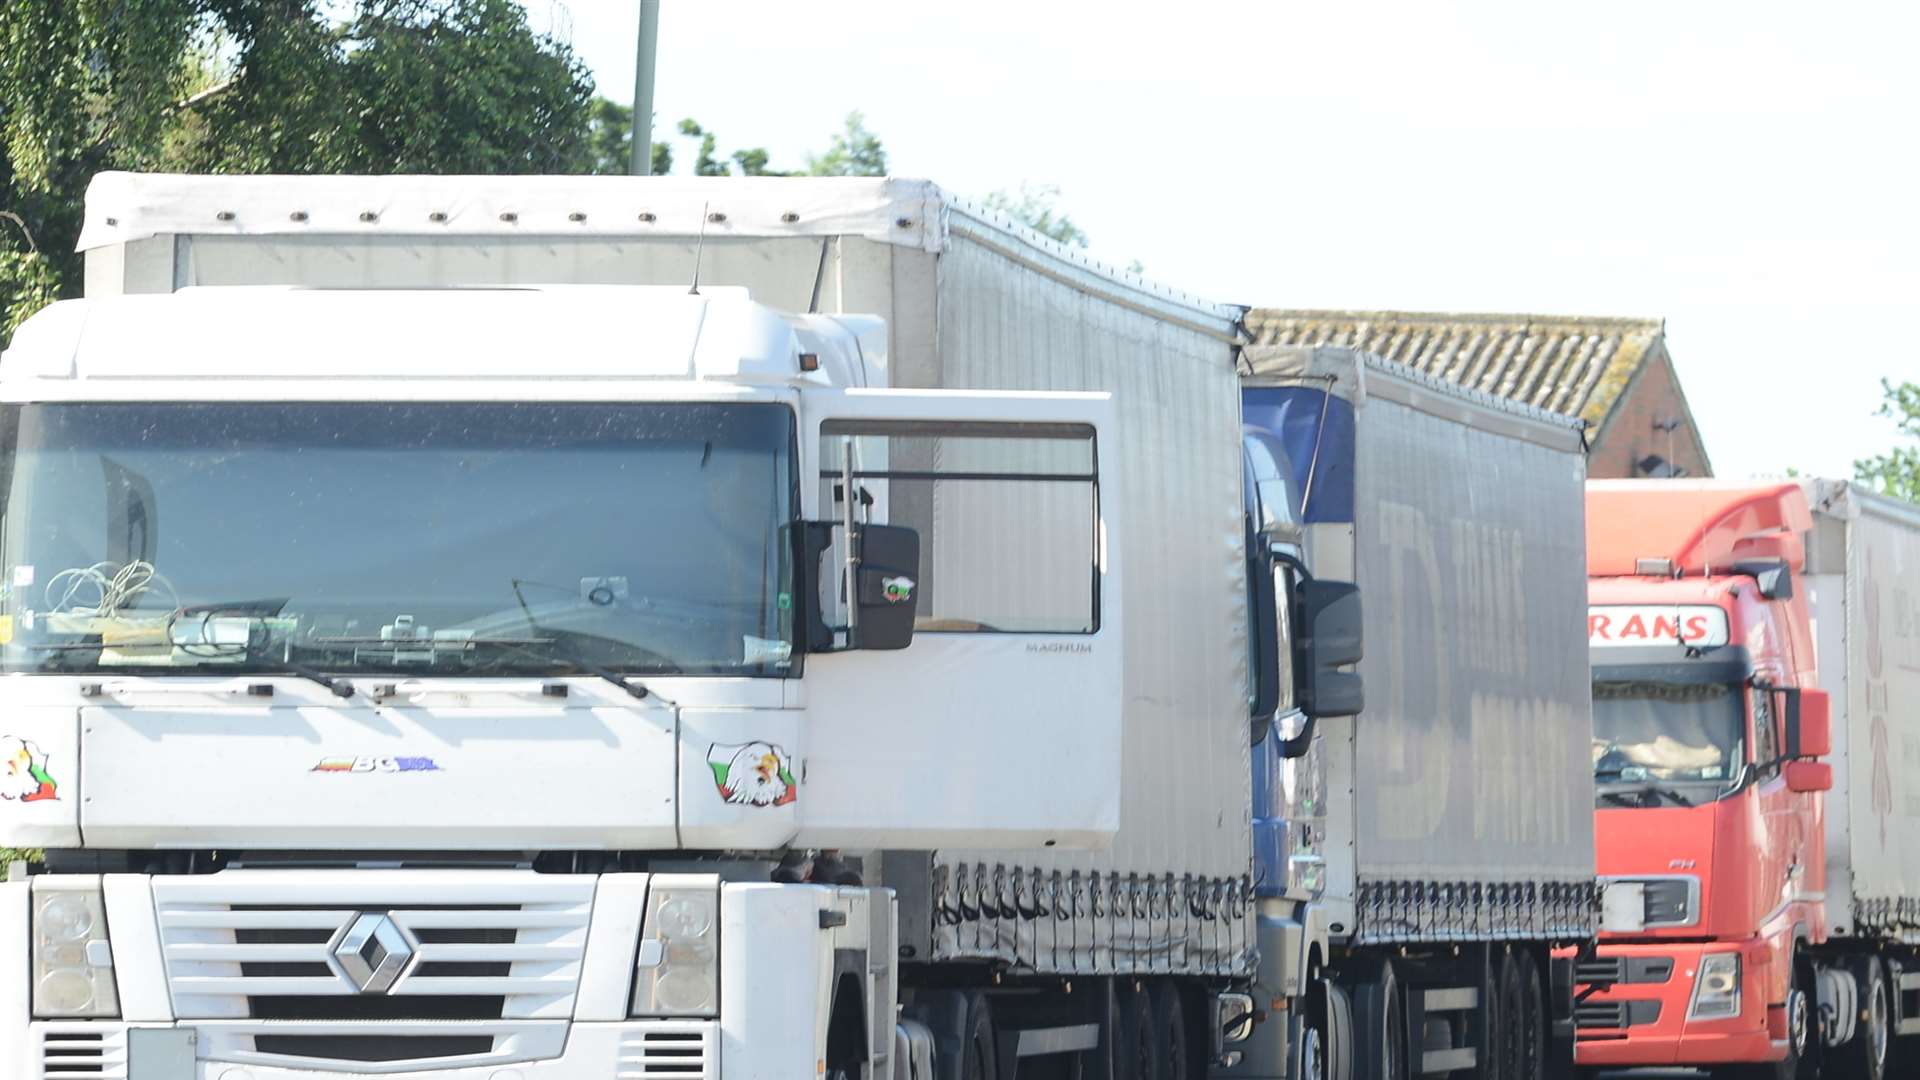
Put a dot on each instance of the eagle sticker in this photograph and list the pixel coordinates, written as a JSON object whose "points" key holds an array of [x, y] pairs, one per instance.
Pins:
{"points": [[753, 774], [23, 772]]}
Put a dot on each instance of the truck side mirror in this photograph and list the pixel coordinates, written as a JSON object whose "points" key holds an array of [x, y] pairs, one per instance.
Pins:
{"points": [[1809, 724], [888, 594], [1773, 577], [886, 591], [1328, 639], [1266, 577], [1809, 776]]}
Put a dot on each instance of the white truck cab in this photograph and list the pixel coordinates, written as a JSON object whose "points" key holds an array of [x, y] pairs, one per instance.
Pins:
{"points": [[458, 679]]}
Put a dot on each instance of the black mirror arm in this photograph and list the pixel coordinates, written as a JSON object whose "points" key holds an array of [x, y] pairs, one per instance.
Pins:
{"points": [[1299, 744], [1292, 561]]}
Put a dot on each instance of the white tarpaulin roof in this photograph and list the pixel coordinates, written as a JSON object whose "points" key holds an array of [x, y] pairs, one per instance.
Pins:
{"points": [[124, 207]]}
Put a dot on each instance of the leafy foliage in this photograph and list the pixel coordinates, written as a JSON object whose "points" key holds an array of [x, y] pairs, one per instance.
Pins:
{"points": [[1037, 208], [855, 152], [611, 138], [1896, 472], [447, 86]]}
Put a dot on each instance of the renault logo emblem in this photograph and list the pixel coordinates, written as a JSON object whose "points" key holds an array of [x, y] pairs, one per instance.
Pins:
{"points": [[372, 952]]}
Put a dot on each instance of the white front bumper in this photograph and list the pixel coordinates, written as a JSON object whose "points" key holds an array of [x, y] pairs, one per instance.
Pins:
{"points": [[634, 1050], [782, 962]]}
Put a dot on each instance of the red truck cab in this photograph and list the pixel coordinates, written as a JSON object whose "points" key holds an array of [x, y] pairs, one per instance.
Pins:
{"points": [[1708, 816]]}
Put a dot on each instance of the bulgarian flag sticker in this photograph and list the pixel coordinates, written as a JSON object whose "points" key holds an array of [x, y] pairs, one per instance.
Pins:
{"points": [[753, 774], [23, 772]]}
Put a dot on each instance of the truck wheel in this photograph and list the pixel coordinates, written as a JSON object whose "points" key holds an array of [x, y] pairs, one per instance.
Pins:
{"points": [[1337, 1008], [1803, 1024], [1134, 1054], [1506, 1021], [1534, 1043], [1396, 1043], [1865, 1056], [1172, 1046], [1311, 1062], [1801, 1062], [979, 1054]]}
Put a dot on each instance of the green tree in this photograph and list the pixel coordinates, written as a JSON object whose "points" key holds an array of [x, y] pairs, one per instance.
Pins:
{"points": [[612, 141], [1037, 207], [263, 86], [855, 152], [752, 160], [1896, 472], [706, 164]]}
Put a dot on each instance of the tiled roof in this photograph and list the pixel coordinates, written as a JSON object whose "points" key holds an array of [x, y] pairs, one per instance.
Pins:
{"points": [[1577, 366]]}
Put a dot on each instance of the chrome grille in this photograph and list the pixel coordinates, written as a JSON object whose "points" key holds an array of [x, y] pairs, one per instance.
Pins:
{"points": [[670, 1050], [300, 945], [1600, 1014], [1669, 902], [1604, 970], [82, 1052]]}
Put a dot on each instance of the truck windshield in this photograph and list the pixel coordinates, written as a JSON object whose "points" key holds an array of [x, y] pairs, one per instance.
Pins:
{"points": [[461, 537], [1666, 732]]}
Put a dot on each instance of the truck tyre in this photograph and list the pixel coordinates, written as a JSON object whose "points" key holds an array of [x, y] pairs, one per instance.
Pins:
{"points": [[1396, 1046], [1506, 1020], [1802, 1060], [1173, 1044], [1339, 1030], [1134, 1053], [1311, 1058], [1866, 1055], [1535, 1042], [979, 1051]]}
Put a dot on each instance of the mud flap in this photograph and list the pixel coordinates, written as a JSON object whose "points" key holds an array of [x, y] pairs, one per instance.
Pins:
{"points": [[1560, 1028]]}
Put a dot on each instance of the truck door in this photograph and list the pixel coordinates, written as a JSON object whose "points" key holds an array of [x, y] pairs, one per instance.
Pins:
{"points": [[1001, 722]]}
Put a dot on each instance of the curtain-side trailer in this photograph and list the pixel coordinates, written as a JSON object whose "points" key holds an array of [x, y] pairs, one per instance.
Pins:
{"points": [[1420, 865]]}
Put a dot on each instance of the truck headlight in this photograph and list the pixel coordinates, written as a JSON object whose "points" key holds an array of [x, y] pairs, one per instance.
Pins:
{"points": [[72, 962], [1716, 992], [678, 969]]}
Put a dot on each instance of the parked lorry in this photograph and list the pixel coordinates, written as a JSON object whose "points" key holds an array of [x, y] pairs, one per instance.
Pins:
{"points": [[463, 631], [1754, 648], [441, 644], [1417, 865]]}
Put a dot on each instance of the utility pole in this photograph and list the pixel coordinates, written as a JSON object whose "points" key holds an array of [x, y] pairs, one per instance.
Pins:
{"points": [[641, 163]]}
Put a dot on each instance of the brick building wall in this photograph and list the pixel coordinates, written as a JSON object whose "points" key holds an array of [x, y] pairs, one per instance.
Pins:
{"points": [[1630, 436]]}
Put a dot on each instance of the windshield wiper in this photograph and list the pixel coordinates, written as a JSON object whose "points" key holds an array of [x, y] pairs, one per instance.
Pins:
{"points": [[584, 666], [1621, 798], [339, 687]]}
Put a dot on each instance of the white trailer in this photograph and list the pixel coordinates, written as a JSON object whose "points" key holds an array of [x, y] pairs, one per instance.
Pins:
{"points": [[1863, 585], [434, 626]]}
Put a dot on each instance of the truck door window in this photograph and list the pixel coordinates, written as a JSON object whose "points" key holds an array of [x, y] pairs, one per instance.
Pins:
{"points": [[1008, 516], [1766, 746], [1276, 502]]}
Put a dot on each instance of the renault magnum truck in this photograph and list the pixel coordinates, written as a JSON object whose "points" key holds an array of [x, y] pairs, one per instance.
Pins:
{"points": [[1756, 661], [535, 628]]}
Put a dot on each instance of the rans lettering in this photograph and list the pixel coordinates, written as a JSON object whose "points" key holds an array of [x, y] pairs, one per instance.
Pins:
{"points": [[1639, 628]]}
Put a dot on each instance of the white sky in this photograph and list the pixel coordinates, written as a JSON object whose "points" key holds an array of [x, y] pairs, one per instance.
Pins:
{"points": [[1747, 171]]}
